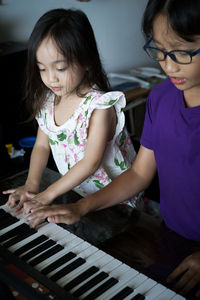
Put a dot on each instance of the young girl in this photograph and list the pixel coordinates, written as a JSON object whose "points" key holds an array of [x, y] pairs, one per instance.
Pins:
{"points": [[79, 120], [170, 144]]}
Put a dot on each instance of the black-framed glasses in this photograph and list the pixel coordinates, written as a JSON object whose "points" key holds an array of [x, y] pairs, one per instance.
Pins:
{"points": [[179, 56]]}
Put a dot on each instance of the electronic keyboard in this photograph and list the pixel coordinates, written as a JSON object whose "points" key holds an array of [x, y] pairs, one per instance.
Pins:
{"points": [[59, 265]]}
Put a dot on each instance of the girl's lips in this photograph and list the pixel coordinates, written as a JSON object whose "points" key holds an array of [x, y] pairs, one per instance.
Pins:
{"points": [[176, 80], [56, 88]]}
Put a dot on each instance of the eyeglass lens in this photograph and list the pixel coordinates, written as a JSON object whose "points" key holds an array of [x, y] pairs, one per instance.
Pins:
{"points": [[177, 56]]}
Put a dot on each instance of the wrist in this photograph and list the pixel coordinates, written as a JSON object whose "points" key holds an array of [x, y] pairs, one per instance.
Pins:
{"points": [[49, 195], [84, 206], [32, 186]]}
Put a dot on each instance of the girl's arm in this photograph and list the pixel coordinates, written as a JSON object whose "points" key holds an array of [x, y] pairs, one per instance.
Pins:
{"points": [[101, 129], [130, 183], [38, 162], [126, 185]]}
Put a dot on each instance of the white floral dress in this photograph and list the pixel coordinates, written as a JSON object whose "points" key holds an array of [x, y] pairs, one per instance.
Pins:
{"points": [[68, 141]]}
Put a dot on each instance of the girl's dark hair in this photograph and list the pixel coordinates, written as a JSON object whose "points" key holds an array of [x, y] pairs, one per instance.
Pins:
{"points": [[74, 37], [183, 17]]}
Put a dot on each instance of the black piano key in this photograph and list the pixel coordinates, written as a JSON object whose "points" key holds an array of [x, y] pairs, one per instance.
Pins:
{"points": [[13, 232], [59, 262], [123, 293], [2, 212], [101, 289], [19, 238], [91, 283], [138, 297], [80, 278], [44, 246], [45, 255], [67, 269], [31, 245], [5, 214], [7, 221]]}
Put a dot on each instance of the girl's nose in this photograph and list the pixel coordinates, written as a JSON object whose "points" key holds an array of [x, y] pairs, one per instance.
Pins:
{"points": [[170, 66], [52, 77]]}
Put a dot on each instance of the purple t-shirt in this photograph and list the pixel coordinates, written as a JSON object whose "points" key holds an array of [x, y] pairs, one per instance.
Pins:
{"points": [[172, 131]]}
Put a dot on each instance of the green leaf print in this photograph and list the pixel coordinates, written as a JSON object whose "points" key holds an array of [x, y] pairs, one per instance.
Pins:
{"points": [[87, 99], [70, 140], [76, 141], [61, 137], [116, 162], [52, 142], [121, 164], [45, 118], [98, 184], [69, 166], [86, 113], [122, 140], [111, 102]]}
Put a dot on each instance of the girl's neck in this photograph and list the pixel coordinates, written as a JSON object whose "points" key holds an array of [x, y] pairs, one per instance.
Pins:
{"points": [[74, 96], [192, 97]]}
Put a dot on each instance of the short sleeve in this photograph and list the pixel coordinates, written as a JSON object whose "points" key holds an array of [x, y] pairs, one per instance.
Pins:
{"points": [[147, 133]]}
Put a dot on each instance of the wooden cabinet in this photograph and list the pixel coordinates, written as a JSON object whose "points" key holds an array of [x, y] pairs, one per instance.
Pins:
{"points": [[135, 110]]}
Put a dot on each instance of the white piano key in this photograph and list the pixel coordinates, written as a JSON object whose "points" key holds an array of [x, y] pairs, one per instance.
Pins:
{"points": [[178, 297], [155, 291], [84, 254], [58, 255], [112, 268], [124, 278], [115, 263], [35, 255], [81, 247], [46, 230], [166, 295], [99, 259], [24, 242], [71, 247], [142, 288], [135, 282], [105, 267]]}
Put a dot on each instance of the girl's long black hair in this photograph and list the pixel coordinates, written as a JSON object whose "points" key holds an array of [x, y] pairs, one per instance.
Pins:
{"points": [[183, 17], [74, 37]]}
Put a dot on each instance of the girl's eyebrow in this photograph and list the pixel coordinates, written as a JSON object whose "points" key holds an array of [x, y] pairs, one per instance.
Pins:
{"points": [[176, 44], [54, 62], [59, 61]]}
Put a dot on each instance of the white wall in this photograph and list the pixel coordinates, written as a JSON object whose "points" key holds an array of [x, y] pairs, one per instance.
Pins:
{"points": [[116, 24]]}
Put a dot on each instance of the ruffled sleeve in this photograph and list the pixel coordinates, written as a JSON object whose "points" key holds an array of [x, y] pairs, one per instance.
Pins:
{"points": [[109, 99], [45, 115], [104, 101]]}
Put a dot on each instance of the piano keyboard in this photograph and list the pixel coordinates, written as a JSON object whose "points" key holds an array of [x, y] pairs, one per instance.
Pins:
{"points": [[69, 267]]}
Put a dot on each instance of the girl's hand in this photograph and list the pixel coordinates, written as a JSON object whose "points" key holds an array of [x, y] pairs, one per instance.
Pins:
{"points": [[190, 271], [61, 213], [36, 201], [19, 194]]}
